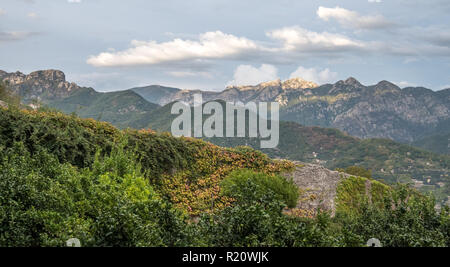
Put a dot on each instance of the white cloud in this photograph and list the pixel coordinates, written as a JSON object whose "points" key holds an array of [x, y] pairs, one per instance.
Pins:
{"points": [[352, 19], [74, 1], [297, 38], [375, 1], [249, 75], [210, 45], [287, 45], [218, 45], [315, 75]]}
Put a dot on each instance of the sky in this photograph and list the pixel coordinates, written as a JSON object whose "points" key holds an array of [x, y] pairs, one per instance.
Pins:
{"points": [[209, 44]]}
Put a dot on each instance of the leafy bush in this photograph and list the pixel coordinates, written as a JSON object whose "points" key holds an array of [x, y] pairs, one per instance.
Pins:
{"points": [[352, 192], [256, 218], [249, 186], [256, 225], [406, 219], [261, 223], [44, 203], [198, 189]]}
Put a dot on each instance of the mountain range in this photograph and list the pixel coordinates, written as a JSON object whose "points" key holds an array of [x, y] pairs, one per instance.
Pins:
{"points": [[268, 91], [50, 87], [412, 115], [378, 111], [371, 122]]}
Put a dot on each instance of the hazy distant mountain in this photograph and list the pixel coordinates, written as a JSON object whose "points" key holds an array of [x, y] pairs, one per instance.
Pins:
{"points": [[156, 94], [268, 91], [377, 111], [119, 108]]}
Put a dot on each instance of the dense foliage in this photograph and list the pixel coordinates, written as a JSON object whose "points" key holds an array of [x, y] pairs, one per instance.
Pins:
{"points": [[436, 143], [248, 186], [63, 177], [119, 108], [405, 219], [44, 203]]}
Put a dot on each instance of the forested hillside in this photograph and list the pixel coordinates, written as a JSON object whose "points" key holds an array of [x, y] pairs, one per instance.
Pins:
{"points": [[62, 176], [119, 108], [436, 143], [382, 110]]}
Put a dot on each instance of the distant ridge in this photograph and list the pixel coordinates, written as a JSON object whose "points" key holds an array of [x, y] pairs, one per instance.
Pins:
{"points": [[266, 91], [40, 85], [382, 110], [50, 88]]}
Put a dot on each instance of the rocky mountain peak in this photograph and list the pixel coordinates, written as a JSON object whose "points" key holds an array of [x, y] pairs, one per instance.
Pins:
{"points": [[48, 75], [274, 83], [353, 82], [387, 86], [41, 85], [349, 85], [298, 83], [291, 84]]}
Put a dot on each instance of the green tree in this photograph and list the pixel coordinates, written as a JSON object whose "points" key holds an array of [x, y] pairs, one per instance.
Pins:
{"points": [[407, 219], [249, 186], [256, 218], [44, 203]]}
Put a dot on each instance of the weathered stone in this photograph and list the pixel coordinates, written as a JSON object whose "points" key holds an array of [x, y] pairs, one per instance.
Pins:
{"points": [[39, 85], [318, 186]]}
